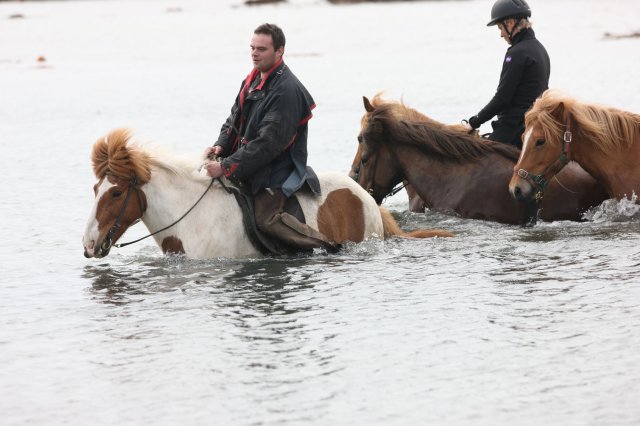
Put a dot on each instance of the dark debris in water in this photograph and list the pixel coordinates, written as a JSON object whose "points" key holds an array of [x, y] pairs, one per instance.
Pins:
{"points": [[610, 36], [258, 2], [368, 1], [540, 236]]}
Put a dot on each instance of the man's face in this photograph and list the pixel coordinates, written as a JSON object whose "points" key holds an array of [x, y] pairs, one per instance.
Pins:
{"points": [[263, 55]]}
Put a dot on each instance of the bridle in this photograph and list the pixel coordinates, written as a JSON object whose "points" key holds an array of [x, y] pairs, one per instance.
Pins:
{"points": [[370, 184], [541, 181], [133, 186]]}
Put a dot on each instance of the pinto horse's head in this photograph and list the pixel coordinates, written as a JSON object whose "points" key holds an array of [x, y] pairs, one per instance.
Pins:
{"points": [[119, 202], [545, 146]]}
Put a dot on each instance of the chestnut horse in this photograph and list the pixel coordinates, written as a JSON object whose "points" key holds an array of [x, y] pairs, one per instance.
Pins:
{"points": [[604, 141], [134, 183], [416, 204], [454, 172]]}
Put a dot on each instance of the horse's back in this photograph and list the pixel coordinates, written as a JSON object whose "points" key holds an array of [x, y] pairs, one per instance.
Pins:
{"points": [[344, 211]]}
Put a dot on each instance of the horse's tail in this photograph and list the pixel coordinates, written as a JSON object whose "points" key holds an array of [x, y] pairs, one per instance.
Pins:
{"points": [[391, 229]]}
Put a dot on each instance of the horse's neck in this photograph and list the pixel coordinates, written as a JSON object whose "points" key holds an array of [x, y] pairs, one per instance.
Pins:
{"points": [[615, 171], [437, 181]]}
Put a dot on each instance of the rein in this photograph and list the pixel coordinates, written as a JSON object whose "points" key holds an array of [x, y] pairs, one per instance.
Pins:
{"points": [[117, 225], [541, 181], [397, 189]]}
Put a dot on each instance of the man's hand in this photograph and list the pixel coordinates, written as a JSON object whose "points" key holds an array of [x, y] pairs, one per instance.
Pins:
{"points": [[214, 168], [212, 151]]}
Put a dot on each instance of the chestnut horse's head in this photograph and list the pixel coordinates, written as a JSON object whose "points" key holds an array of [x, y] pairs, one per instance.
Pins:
{"points": [[559, 129], [354, 173], [119, 202], [546, 141], [375, 167], [371, 138]]}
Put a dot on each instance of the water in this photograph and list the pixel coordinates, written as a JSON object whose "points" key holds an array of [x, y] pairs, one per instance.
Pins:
{"points": [[499, 325]]}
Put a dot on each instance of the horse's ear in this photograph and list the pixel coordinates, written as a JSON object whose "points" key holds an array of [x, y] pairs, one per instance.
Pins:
{"points": [[558, 111], [367, 104]]}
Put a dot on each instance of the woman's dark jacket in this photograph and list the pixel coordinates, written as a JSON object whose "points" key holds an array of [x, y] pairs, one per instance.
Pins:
{"points": [[525, 75], [264, 140]]}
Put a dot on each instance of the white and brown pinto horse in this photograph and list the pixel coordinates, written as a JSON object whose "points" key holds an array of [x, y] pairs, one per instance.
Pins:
{"points": [[134, 183], [604, 141]]}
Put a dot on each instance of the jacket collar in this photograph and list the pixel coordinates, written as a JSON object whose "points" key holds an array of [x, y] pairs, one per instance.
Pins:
{"points": [[255, 74], [525, 34], [246, 87]]}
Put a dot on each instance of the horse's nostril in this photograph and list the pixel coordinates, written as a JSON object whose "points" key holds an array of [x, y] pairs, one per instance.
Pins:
{"points": [[517, 193]]}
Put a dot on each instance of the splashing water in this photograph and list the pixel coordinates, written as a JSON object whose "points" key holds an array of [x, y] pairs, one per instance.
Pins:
{"points": [[614, 210]]}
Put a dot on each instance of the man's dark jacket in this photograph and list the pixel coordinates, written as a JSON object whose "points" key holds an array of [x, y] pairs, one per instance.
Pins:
{"points": [[264, 140], [525, 75]]}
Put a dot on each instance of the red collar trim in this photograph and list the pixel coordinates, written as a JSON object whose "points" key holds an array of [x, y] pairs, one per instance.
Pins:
{"points": [[255, 73], [252, 76]]}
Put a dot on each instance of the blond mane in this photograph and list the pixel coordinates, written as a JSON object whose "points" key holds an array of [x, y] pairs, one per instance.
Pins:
{"points": [[607, 128], [117, 154]]}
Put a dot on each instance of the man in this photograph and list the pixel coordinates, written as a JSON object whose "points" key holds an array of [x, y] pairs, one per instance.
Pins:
{"points": [[263, 143], [525, 73]]}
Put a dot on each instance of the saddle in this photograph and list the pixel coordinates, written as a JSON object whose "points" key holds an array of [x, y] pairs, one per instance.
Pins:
{"points": [[264, 243]]}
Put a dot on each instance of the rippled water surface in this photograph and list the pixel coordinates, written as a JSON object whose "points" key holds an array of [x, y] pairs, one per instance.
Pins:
{"points": [[499, 325]]}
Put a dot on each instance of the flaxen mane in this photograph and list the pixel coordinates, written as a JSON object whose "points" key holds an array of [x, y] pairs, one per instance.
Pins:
{"points": [[117, 155], [114, 155], [438, 139], [607, 128]]}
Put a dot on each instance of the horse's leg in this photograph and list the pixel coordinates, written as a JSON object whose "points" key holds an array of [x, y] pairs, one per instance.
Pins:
{"points": [[416, 204]]}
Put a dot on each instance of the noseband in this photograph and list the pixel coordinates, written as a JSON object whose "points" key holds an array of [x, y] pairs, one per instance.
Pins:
{"points": [[540, 181], [133, 185]]}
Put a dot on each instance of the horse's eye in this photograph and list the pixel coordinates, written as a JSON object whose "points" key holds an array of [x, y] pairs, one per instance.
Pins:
{"points": [[116, 194], [539, 142], [360, 139], [364, 159]]}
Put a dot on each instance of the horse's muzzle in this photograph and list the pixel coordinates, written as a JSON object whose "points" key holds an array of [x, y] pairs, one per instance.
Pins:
{"points": [[93, 250]]}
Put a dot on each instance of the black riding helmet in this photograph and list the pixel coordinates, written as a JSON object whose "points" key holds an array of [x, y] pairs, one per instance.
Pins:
{"points": [[504, 9]]}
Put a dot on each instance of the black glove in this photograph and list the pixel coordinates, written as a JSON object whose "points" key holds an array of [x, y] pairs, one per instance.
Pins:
{"points": [[474, 122]]}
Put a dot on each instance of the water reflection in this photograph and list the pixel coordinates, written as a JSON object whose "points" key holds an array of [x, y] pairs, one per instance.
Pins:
{"points": [[123, 283]]}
